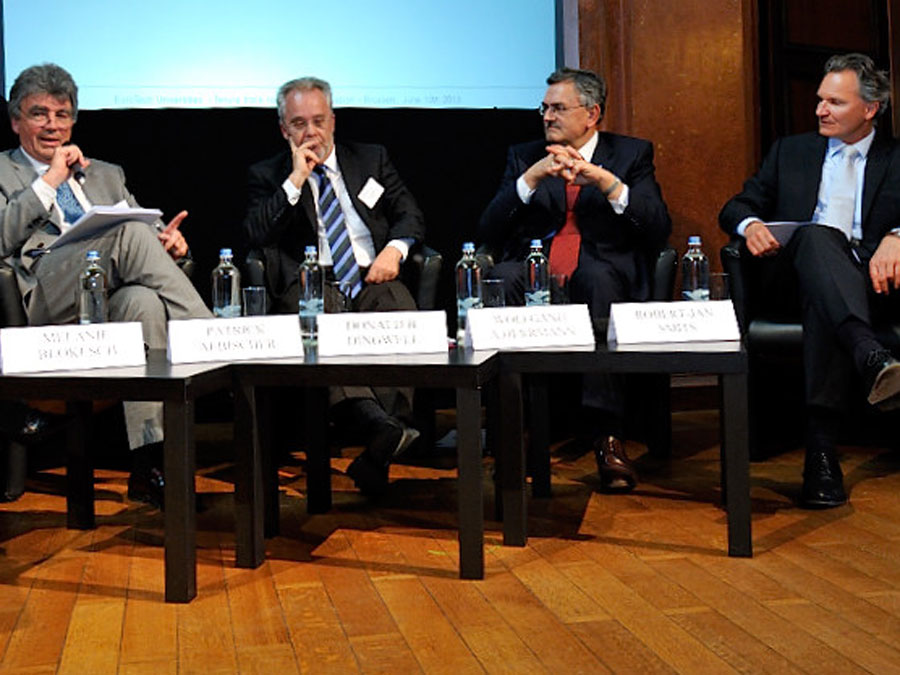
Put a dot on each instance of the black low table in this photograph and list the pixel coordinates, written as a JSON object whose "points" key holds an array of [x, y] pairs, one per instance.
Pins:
{"points": [[727, 360], [177, 386], [256, 502]]}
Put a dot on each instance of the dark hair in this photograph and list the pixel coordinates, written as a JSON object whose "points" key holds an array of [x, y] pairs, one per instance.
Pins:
{"points": [[301, 84], [590, 86], [47, 78], [874, 85]]}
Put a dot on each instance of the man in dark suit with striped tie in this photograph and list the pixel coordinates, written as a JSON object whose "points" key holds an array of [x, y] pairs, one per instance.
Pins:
{"points": [[348, 200]]}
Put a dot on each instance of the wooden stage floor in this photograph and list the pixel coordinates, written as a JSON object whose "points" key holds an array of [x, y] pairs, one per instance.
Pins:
{"points": [[636, 583]]}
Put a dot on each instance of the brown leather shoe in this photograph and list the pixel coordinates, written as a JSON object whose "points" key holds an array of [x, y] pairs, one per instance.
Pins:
{"points": [[617, 473]]}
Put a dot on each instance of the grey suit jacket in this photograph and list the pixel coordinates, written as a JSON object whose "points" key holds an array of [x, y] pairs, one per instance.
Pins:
{"points": [[25, 225]]}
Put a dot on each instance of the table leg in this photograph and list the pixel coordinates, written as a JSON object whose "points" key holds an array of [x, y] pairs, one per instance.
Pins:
{"points": [[471, 491], [512, 454], [79, 468], [318, 461], [735, 458], [181, 502], [539, 438], [269, 455], [248, 485]]}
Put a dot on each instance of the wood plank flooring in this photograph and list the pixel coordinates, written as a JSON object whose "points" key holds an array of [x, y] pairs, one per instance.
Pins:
{"points": [[636, 583]]}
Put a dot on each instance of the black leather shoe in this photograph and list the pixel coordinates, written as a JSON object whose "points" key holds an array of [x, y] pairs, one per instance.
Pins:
{"points": [[148, 487], [368, 475], [823, 482], [882, 375], [390, 440], [617, 473]]}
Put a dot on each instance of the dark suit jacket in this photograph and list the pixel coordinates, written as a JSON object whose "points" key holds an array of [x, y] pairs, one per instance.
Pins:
{"points": [[786, 187], [630, 241], [282, 230]]}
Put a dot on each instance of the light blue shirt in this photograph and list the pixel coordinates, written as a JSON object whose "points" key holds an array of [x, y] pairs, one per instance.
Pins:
{"points": [[831, 165]]}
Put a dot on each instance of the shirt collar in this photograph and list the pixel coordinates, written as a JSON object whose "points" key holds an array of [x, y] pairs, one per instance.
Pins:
{"points": [[587, 150], [862, 146], [39, 166]]}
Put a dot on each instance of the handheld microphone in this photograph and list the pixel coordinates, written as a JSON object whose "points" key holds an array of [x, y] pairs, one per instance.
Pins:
{"points": [[78, 172]]}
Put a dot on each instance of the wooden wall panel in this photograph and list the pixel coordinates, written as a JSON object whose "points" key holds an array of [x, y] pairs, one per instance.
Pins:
{"points": [[682, 73]]}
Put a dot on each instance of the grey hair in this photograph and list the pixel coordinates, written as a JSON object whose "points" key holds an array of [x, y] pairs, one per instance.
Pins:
{"points": [[301, 84], [590, 86], [874, 85], [46, 78]]}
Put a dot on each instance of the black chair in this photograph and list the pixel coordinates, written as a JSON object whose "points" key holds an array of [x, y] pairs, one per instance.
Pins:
{"points": [[420, 272], [774, 349]]}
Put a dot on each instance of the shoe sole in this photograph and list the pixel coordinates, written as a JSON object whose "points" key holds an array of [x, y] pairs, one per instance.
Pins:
{"points": [[885, 390]]}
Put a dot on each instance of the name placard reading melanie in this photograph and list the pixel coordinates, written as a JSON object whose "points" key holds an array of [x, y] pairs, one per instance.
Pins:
{"points": [[36, 349], [667, 322], [530, 327], [350, 333], [238, 339]]}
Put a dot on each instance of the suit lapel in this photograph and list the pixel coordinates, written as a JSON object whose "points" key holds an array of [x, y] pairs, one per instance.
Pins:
{"points": [[876, 168], [806, 180], [27, 175], [306, 199], [353, 174]]}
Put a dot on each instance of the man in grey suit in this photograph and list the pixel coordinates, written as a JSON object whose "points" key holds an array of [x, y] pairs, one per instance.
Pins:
{"points": [[45, 185]]}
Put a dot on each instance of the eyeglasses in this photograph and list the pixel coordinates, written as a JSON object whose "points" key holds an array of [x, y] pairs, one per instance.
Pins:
{"points": [[40, 116], [300, 125], [557, 108]]}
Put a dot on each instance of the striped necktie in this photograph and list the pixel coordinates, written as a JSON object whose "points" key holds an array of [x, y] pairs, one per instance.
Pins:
{"points": [[68, 204], [342, 259]]}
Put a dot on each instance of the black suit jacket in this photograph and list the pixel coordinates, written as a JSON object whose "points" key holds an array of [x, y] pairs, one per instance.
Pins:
{"points": [[283, 231], [630, 241], [786, 187]]}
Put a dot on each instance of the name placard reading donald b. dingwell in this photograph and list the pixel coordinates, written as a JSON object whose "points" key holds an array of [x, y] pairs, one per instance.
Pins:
{"points": [[35, 349], [350, 333]]}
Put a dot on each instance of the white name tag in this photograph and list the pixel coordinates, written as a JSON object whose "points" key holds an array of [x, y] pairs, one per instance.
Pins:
{"points": [[529, 327], [351, 333], [667, 322], [237, 339], [371, 192], [71, 347]]}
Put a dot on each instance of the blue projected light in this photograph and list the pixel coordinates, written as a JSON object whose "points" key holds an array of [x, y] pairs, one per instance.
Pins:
{"points": [[198, 54]]}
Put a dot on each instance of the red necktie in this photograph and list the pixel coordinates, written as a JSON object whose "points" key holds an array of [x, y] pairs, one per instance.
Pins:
{"points": [[567, 242]]}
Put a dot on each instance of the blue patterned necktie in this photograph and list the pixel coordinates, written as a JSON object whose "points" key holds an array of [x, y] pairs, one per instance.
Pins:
{"points": [[342, 259], [68, 204]]}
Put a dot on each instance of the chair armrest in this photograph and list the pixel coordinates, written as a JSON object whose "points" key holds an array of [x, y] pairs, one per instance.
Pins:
{"points": [[12, 311], [421, 273], [730, 255], [255, 269], [664, 275]]}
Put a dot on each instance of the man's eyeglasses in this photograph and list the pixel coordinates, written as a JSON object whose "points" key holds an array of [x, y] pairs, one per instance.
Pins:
{"points": [[557, 108], [42, 116]]}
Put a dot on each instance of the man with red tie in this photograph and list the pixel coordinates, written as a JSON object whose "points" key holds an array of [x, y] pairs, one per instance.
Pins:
{"points": [[592, 198]]}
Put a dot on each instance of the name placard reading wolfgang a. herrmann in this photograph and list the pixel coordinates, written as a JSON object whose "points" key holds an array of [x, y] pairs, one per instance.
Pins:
{"points": [[531, 327], [668, 322], [349, 333], [35, 349], [238, 339]]}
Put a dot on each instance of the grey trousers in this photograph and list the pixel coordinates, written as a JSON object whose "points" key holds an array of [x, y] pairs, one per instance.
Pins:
{"points": [[145, 285]]}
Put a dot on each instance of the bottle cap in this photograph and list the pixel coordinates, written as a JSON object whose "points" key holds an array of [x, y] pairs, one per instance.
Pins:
{"points": [[537, 243], [468, 247], [310, 250], [92, 256], [225, 252], [694, 239]]}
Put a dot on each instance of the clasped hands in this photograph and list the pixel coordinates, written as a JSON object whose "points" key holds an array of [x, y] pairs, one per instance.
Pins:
{"points": [[567, 163]]}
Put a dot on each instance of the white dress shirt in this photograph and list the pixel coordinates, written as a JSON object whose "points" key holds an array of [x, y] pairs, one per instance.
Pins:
{"points": [[47, 194]]}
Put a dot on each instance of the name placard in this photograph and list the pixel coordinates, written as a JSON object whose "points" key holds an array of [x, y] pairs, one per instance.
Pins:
{"points": [[238, 339], [667, 322], [36, 349], [529, 327], [350, 333]]}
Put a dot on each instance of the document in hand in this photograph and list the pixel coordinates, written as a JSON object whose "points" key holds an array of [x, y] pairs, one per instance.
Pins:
{"points": [[783, 231], [100, 218]]}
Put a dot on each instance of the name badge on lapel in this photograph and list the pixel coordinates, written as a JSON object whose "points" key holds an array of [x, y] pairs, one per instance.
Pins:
{"points": [[371, 192]]}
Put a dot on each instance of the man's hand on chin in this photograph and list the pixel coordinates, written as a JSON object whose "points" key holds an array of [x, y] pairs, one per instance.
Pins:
{"points": [[385, 267]]}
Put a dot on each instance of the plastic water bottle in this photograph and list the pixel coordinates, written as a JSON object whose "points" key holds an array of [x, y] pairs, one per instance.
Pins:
{"points": [[537, 276], [91, 299], [694, 272], [226, 287], [311, 280], [468, 289]]}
